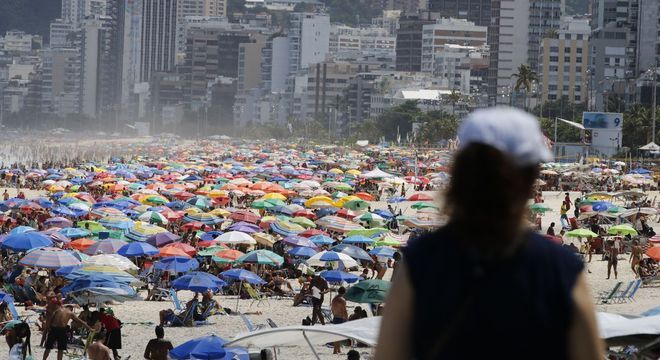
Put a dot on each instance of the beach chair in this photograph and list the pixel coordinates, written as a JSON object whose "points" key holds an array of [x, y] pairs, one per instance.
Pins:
{"points": [[621, 296], [327, 315], [208, 312], [605, 297], [162, 294], [631, 294], [175, 299], [185, 318], [271, 323], [255, 295], [250, 325]]}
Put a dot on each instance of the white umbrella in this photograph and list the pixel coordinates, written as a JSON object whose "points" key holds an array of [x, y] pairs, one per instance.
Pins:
{"points": [[236, 237], [345, 260], [114, 260]]}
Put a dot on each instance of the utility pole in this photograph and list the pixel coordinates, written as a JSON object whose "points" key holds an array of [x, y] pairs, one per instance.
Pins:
{"points": [[653, 105]]}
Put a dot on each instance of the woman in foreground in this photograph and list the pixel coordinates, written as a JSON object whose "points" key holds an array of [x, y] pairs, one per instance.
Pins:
{"points": [[485, 286]]}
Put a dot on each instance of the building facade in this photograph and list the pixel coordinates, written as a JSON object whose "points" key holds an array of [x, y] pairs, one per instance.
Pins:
{"points": [[476, 11], [409, 43], [158, 37], [564, 63]]}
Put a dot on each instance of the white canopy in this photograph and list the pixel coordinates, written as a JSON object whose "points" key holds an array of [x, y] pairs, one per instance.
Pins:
{"points": [[376, 174], [615, 326], [363, 330], [650, 147], [236, 237]]}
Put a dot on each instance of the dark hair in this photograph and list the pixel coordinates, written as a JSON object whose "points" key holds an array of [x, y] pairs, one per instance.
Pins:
{"points": [[483, 172], [552, 224], [341, 290], [160, 332], [22, 330], [353, 355]]}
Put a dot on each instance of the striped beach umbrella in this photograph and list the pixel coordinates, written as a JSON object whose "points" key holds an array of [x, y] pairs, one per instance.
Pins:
{"points": [[262, 257], [114, 260], [117, 222], [141, 231], [49, 258], [153, 218], [58, 221], [105, 246], [204, 218], [107, 211]]}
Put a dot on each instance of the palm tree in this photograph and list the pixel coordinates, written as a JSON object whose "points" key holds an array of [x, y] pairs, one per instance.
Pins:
{"points": [[524, 79], [454, 97]]}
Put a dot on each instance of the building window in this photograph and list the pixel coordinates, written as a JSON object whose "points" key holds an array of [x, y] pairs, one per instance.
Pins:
{"points": [[578, 59], [567, 59], [578, 98], [567, 50], [554, 58], [579, 50], [579, 36]]}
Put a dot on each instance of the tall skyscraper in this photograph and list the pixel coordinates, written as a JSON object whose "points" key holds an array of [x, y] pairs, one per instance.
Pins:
{"points": [[477, 11], [514, 37], [74, 11], [130, 38], [99, 66], [409, 43], [158, 37]]}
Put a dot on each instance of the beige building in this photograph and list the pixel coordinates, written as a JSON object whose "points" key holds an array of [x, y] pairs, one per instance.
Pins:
{"points": [[249, 62], [563, 62]]}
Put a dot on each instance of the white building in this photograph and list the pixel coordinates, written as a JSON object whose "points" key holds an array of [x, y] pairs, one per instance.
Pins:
{"points": [[59, 31], [453, 31], [280, 5], [309, 37], [452, 65], [364, 40], [516, 40], [75, 11], [131, 52], [18, 41]]}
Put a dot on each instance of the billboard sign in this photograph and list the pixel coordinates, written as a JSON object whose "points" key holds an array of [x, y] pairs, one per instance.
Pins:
{"points": [[602, 120]]}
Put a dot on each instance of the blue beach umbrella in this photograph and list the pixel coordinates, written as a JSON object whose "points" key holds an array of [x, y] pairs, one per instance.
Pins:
{"points": [[207, 348], [320, 240], [352, 251], [198, 282], [176, 264], [382, 251], [336, 276], [242, 275], [357, 239], [21, 230], [302, 251], [74, 233], [26, 241], [137, 249]]}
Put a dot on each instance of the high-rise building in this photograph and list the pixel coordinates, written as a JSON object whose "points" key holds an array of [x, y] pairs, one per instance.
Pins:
{"points": [[514, 38], [195, 8], [275, 64], [61, 81], [409, 43], [476, 11], [648, 41], [130, 44], [361, 40], [249, 63], [59, 31], [564, 62], [309, 39], [100, 66], [158, 37], [75, 11]]}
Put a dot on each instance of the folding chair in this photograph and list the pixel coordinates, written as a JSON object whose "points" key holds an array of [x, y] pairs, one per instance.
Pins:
{"points": [[255, 295]]}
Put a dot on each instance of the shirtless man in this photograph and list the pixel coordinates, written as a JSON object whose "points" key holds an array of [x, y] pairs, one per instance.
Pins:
{"points": [[57, 330], [98, 350], [158, 348], [636, 257], [612, 259], [339, 314]]}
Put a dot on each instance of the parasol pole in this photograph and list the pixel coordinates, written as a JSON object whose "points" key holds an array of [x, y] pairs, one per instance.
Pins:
{"points": [[311, 346], [240, 286]]}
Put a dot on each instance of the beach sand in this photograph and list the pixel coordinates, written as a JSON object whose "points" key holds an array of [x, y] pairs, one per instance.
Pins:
{"points": [[140, 317]]}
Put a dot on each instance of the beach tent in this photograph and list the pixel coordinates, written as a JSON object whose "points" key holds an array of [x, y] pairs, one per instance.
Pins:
{"points": [[376, 174], [363, 330], [620, 330]]}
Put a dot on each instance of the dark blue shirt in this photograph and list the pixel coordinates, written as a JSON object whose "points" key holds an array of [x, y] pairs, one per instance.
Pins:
{"points": [[467, 307]]}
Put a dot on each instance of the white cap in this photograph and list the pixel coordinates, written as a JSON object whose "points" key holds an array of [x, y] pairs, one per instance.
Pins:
{"points": [[512, 131]]}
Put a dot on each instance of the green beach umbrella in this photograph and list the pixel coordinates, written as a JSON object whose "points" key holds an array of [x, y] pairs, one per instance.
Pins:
{"points": [[423, 205], [368, 292], [539, 208], [261, 204], [581, 233], [303, 221], [211, 251], [356, 205], [621, 230]]}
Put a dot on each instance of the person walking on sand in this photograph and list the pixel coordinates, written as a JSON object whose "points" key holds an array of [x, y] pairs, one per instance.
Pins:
{"points": [[57, 325], [612, 258], [636, 257], [98, 350], [547, 287], [319, 287], [339, 314], [563, 218], [158, 348], [112, 326]]}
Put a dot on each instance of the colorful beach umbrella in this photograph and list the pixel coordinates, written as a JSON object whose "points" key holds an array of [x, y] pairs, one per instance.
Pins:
{"points": [[49, 258]]}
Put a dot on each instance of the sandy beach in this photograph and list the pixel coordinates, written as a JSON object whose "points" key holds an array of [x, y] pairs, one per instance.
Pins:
{"points": [[140, 317]]}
